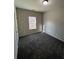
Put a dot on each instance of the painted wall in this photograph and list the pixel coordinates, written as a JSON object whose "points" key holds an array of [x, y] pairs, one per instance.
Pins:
{"points": [[23, 21], [54, 23]]}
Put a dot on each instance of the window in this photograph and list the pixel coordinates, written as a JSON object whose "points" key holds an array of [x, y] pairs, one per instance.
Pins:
{"points": [[32, 22]]}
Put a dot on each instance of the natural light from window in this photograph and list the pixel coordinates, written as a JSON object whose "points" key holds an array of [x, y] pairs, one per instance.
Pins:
{"points": [[32, 22]]}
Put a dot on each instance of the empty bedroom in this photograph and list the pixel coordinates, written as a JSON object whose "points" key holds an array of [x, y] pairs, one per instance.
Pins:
{"points": [[39, 29]]}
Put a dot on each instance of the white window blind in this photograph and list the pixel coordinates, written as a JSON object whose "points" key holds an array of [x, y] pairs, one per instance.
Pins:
{"points": [[32, 22]]}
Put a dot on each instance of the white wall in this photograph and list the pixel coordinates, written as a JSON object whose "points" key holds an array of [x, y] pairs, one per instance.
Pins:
{"points": [[15, 35], [54, 23]]}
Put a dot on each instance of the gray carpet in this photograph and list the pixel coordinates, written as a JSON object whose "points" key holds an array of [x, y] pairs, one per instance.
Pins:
{"points": [[40, 46]]}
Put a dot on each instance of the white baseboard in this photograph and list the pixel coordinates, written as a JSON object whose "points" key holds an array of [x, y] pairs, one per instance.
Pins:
{"points": [[55, 37]]}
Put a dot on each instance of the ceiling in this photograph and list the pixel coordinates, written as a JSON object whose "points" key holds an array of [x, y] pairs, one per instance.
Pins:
{"points": [[36, 5]]}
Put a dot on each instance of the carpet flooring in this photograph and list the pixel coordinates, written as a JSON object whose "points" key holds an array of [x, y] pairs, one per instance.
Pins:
{"points": [[40, 46]]}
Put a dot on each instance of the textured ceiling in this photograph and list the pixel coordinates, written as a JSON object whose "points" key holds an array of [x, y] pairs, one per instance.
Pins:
{"points": [[36, 5]]}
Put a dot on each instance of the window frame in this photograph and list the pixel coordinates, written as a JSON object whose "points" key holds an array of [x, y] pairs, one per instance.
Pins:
{"points": [[32, 23]]}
